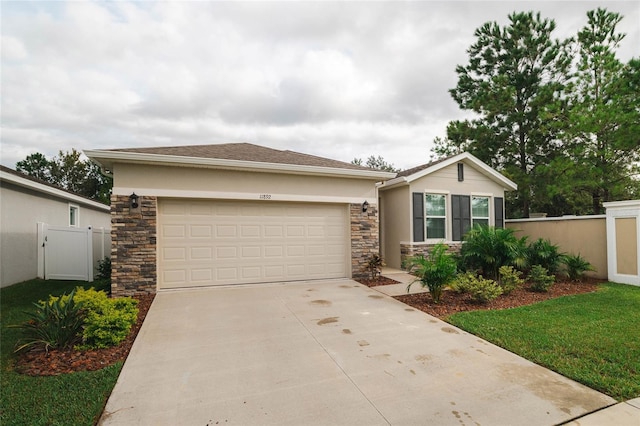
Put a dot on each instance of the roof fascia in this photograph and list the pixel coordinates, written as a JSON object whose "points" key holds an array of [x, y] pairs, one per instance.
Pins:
{"points": [[484, 169], [59, 193], [107, 158]]}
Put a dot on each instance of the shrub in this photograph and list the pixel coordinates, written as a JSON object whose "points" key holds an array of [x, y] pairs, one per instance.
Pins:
{"points": [[435, 271], [540, 280], [542, 252], [510, 279], [55, 324], [108, 321], [486, 249], [104, 269], [461, 283], [374, 266], [483, 290], [576, 266]]}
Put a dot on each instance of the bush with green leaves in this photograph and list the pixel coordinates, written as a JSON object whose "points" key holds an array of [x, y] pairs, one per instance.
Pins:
{"points": [[462, 282], [434, 271], [104, 269], [575, 266], [107, 321], [542, 252], [510, 279], [540, 279], [483, 290], [486, 249], [374, 266], [55, 324]]}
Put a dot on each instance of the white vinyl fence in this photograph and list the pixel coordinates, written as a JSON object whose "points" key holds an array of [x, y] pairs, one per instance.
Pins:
{"points": [[68, 253]]}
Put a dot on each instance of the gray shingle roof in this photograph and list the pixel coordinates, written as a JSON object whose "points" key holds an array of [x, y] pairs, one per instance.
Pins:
{"points": [[245, 152], [417, 169]]}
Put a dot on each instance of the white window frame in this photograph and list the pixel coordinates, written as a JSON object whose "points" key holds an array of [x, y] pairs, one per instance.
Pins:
{"points": [[447, 213], [76, 209], [489, 198]]}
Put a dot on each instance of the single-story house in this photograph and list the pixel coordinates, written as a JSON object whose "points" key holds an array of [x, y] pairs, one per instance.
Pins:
{"points": [[29, 204], [438, 202], [190, 216]]}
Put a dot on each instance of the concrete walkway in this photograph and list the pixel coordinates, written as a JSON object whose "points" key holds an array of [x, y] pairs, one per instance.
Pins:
{"points": [[622, 414], [326, 352]]}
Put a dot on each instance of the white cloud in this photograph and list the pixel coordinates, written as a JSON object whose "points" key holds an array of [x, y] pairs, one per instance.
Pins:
{"points": [[339, 79]]}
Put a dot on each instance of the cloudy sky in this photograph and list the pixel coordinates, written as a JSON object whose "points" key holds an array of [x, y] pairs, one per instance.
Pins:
{"points": [[336, 79]]}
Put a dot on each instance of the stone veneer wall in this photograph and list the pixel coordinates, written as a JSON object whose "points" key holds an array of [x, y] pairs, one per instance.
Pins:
{"points": [[133, 248], [364, 238], [411, 249]]}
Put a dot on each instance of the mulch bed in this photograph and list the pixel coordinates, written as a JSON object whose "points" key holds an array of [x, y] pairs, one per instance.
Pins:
{"points": [[377, 281], [451, 302], [55, 362]]}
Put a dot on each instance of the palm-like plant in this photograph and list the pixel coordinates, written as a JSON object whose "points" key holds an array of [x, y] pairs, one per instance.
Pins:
{"points": [[486, 249], [542, 252], [434, 271]]}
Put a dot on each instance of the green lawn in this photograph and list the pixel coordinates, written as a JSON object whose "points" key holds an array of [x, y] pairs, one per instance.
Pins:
{"points": [[69, 399], [592, 338]]}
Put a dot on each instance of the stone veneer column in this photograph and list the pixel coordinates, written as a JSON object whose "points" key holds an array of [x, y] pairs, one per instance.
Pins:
{"points": [[364, 238], [133, 248]]}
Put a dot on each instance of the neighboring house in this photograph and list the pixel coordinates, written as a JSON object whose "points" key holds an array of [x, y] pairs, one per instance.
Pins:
{"points": [[438, 202], [26, 202], [192, 216]]}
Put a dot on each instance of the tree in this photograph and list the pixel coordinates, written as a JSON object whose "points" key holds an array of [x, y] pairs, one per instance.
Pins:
{"points": [[377, 163], [70, 172], [604, 113], [513, 82]]}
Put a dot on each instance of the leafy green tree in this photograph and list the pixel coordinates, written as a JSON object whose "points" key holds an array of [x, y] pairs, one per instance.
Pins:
{"points": [[69, 171], [377, 163], [35, 165], [513, 82], [604, 113]]}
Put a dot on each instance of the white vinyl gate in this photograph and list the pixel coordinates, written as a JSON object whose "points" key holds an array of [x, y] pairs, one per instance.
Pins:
{"points": [[65, 253]]}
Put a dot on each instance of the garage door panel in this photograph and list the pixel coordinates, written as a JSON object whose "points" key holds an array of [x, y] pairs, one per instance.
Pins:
{"points": [[221, 242]]}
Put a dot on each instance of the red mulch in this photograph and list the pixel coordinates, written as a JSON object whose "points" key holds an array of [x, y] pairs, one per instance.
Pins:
{"points": [[451, 302], [55, 362], [378, 281]]}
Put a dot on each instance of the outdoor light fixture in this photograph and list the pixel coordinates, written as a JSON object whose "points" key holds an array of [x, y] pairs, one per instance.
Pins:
{"points": [[365, 206], [133, 201]]}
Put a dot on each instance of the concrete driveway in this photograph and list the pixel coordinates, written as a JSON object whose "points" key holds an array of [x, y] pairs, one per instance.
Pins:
{"points": [[330, 352]]}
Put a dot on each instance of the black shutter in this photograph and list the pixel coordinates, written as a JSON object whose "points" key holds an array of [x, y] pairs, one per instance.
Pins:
{"points": [[460, 172], [499, 211], [461, 215], [418, 217]]}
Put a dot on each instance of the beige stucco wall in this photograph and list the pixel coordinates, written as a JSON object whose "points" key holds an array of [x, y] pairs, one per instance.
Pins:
{"points": [[215, 183], [395, 223], [20, 210], [446, 179], [626, 245], [586, 236]]}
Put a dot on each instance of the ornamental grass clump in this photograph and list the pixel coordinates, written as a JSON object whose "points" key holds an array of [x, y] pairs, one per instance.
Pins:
{"points": [[54, 324], [107, 322], [84, 319], [434, 271]]}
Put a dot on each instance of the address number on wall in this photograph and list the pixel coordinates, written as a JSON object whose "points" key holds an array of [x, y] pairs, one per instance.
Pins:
{"points": [[265, 196]]}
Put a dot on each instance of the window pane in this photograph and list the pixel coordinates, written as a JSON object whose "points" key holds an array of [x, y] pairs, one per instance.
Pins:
{"points": [[483, 222], [435, 205], [435, 227], [480, 206]]}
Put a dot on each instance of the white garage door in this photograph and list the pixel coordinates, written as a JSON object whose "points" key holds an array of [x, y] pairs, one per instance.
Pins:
{"points": [[203, 242]]}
